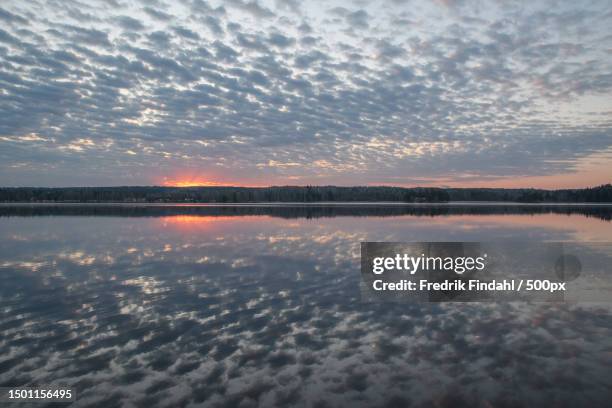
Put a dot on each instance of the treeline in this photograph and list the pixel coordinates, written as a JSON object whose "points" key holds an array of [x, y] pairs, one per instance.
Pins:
{"points": [[307, 194], [599, 194]]}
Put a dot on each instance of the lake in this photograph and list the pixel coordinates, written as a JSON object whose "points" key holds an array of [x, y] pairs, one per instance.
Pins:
{"points": [[147, 306]]}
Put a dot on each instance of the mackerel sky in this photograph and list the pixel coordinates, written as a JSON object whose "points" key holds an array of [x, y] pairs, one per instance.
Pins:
{"points": [[246, 92]]}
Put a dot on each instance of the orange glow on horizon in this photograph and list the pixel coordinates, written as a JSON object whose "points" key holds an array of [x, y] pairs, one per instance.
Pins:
{"points": [[199, 180], [552, 182], [190, 183], [590, 171]]}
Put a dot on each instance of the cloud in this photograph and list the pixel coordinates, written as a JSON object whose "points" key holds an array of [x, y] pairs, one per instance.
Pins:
{"points": [[12, 18], [252, 7], [389, 51], [157, 14], [186, 33], [358, 19], [129, 23], [280, 40], [346, 95], [213, 24], [291, 5], [225, 52]]}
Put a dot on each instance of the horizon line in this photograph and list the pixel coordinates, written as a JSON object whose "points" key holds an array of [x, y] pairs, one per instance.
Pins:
{"points": [[315, 186]]}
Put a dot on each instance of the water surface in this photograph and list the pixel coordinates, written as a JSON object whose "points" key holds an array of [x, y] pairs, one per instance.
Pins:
{"points": [[260, 306]]}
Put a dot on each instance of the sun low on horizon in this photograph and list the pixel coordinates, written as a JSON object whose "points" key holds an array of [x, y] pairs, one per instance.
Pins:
{"points": [[189, 183], [198, 179]]}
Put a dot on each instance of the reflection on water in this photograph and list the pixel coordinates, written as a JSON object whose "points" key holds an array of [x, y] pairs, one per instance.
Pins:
{"points": [[312, 210], [223, 309]]}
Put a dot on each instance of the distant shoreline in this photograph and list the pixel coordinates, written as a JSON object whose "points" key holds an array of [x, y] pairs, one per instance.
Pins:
{"points": [[314, 195], [307, 204]]}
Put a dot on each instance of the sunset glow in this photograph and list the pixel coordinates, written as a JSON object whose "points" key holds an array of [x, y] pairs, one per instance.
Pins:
{"points": [[205, 179], [188, 182]]}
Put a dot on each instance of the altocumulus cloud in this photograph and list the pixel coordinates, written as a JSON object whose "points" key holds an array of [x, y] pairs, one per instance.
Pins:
{"points": [[118, 92]]}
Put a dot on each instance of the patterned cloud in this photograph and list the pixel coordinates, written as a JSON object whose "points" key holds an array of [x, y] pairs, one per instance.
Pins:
{"points": [[263, 92]]}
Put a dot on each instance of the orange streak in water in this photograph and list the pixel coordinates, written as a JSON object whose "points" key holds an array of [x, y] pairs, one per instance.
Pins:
{"points": [[201, 223]]}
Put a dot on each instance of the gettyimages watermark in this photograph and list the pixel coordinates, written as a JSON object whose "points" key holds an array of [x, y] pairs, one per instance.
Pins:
{"points": [[484, 271]]}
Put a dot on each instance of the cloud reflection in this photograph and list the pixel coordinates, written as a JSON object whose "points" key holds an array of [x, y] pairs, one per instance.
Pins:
{"points": [[266, 311]]}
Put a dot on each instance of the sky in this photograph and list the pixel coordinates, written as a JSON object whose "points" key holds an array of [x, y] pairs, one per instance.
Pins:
{"points": [[288, 92]]}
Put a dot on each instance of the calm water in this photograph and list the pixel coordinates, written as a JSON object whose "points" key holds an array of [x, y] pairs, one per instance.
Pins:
{"points": [[261, 307]]}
